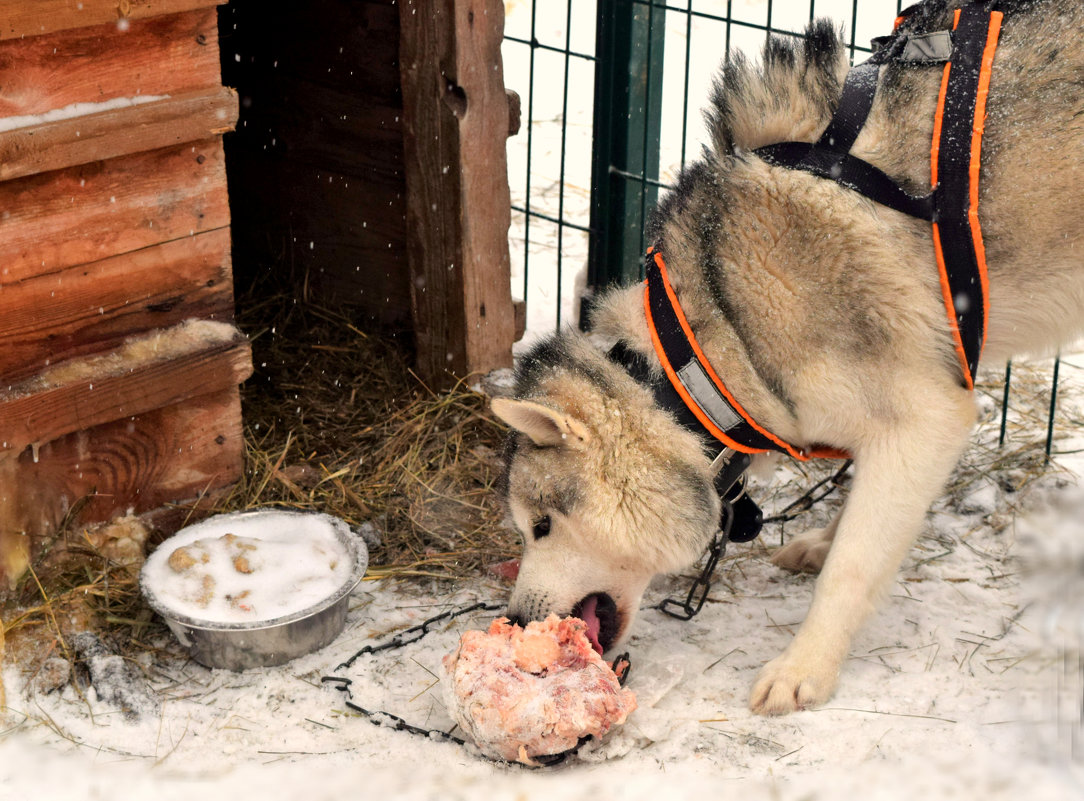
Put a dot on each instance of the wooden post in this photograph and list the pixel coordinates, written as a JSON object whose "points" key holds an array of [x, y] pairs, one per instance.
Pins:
{"points": [[455, 125]]}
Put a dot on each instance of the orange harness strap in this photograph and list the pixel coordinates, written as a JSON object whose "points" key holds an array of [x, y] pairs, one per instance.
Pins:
{"points": [[696, 382], [954, 174]]}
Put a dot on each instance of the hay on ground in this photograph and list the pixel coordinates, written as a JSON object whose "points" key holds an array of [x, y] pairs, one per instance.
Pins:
{"points": [[335, 422]]}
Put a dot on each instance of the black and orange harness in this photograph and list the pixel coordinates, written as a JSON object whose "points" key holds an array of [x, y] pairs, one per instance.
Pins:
{"points": [[951, 207], [696, 394]]}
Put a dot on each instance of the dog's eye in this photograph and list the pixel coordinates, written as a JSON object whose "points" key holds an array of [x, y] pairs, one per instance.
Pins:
{"points": [[541, 527]]}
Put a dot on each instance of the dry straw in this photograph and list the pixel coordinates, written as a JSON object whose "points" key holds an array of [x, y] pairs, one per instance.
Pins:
{"points": [[335, 421]]}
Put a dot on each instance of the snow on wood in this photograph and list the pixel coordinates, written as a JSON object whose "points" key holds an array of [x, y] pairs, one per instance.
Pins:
{"points": [[73, 110], [87, 132], [163, 55], [158, 369], [89, 308]]}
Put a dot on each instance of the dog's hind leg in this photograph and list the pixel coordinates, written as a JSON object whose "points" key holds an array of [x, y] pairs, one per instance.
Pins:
{"points": [[806, 553], [898, 474]]}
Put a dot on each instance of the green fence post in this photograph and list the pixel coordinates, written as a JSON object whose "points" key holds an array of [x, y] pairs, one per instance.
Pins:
{"points": [[629, 46]]}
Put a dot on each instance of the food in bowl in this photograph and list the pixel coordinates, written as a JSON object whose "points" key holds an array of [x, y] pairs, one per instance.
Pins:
{"points": [[259, 569], [251, 589]]}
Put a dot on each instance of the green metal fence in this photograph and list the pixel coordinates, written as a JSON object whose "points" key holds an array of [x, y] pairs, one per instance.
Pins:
{"points": [[659, 40], [612, 92]]}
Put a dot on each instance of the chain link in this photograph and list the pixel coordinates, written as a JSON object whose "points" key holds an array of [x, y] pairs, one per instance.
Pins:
{"points": [[621, 666], [810, 496], [694, 601]]}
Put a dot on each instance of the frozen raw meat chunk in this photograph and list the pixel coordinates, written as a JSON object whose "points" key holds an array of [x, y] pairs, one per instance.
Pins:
{"points": [[521, 693]]}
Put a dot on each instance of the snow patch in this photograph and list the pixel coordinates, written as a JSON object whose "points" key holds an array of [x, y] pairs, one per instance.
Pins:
{"points": [[74, 110]]}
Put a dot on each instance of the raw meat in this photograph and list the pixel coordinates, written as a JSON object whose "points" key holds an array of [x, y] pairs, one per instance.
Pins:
{"points": [[522, 693]]}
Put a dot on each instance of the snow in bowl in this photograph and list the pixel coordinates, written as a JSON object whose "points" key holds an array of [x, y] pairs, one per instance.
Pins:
{"points": [[252, 589]]}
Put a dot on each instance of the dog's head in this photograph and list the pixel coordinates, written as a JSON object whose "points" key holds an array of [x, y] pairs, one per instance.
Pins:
{"points": [[606, 490]]}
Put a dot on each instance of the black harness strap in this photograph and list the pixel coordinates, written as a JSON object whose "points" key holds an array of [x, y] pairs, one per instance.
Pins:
{"points": [[830, 157], [950, 206], [855, 102], [851, 172], [960, 244]]}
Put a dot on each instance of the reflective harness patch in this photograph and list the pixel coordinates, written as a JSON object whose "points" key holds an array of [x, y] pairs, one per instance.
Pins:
{"points": [[951, 207]]}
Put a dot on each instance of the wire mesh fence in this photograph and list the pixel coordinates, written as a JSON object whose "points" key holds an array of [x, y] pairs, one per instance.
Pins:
{"points": [[612, 94]]}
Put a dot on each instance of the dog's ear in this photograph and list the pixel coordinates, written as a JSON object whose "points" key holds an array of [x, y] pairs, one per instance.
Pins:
{"points": [[545, 426]]}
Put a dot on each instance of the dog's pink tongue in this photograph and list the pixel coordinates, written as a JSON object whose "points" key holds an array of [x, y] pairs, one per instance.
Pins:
{"points": [[589, 616]]}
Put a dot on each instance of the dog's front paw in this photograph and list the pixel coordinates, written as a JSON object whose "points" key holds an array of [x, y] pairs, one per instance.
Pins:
{"points": [[788, 684], [804, 554]]}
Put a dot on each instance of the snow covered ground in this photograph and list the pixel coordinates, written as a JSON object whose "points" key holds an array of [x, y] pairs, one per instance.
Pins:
{"points": [[968, 684]]}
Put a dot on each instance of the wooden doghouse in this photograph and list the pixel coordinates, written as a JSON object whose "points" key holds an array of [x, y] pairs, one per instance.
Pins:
{"points": [[369, 159], [370, 155], [119, 366]]}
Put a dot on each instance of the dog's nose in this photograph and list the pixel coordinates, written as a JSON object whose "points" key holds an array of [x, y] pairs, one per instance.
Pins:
{"points": [[516, 620]]}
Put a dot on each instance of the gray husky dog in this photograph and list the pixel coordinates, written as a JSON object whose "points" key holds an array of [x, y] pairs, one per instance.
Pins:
{"points": [[824, 312]]}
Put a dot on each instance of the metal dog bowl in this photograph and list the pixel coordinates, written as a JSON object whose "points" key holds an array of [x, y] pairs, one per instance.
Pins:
{"points": [[258, 643]]}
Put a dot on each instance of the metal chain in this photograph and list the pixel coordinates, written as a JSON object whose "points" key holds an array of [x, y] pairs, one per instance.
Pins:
{"points": [[415, 633], [810, 497], [621, 666], [694, 601], [690, 608], [411, 635]]}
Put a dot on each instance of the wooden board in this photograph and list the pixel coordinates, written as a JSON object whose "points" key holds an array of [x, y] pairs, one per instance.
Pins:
{"points": [[349, 251], [189, 117], [29, 415], [175, 453], [156, 56], [455, 115], [92, 307], [349, 46], [165, 455], [23, 18], [82, 214]]}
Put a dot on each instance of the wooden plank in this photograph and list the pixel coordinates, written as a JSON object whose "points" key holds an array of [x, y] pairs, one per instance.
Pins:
{"points": [[183, 451], [53, 221], [458, 205], [135, 379], [140, 463], [94, 307], [350, 252], [156, 56], [349, 46], [23, 18], [343, 132], [54, 145]]}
